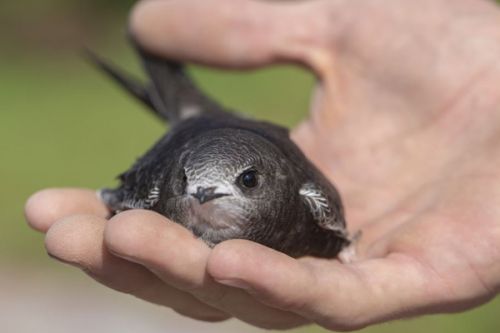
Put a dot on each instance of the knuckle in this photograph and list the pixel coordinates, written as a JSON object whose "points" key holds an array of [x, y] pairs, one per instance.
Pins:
{"points": [[214, 296]]}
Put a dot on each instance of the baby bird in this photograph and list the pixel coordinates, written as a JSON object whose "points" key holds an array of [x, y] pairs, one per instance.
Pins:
{"points": [[223, 176]]}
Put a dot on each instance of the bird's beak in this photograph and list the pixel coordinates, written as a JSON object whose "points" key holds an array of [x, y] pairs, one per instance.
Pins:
{"points": [[206, 194]]}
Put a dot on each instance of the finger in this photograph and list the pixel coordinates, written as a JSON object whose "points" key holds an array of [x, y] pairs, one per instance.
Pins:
{"points": [[179, 259], [236, 33], [78, 240], [47, 206], [337, 296]]}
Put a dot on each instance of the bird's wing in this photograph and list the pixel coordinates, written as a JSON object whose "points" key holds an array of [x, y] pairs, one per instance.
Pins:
{"points": [[325, 214], [173, 93], [170, 93], [132, 85]]}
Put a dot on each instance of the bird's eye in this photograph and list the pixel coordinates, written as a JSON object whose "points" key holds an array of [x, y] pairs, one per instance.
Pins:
{"points": [[183, 183], [249, 179]]}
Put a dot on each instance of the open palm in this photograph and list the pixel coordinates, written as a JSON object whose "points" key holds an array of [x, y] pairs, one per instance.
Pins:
{"points": [[405, 121]]}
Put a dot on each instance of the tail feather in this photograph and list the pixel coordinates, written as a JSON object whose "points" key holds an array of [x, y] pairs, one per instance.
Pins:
{"points": [[126, 81], [170, 94], [173, 91]]}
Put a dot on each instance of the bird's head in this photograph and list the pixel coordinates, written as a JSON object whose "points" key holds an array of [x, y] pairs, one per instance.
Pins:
{"points": [[231, 178]]}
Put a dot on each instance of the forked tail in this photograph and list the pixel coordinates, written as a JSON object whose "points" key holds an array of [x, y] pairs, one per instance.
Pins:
{"points": [[170, 92]]}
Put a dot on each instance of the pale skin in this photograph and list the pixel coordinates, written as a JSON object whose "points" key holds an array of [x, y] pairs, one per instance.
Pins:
{"points": [[405, 121]]}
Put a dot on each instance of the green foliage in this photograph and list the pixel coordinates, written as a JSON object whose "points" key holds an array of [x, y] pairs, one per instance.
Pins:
{"points": [[96, 5], [112, 4]]}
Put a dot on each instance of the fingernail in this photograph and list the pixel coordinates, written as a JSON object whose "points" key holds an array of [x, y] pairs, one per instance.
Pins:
{"points": [[63, 261]]}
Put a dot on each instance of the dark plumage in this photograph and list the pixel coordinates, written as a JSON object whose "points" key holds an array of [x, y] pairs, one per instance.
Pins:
{"points": [[222, 176]]}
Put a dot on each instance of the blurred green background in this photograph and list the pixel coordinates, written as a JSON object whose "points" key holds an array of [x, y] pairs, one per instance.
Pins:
{"points": [[63, 124]]}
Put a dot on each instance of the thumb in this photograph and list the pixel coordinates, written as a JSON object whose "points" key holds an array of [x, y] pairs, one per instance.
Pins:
{"points": [[233, 33]]}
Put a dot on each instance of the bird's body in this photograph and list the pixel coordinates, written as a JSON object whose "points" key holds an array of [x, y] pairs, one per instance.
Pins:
{"points": [[223, 176]]}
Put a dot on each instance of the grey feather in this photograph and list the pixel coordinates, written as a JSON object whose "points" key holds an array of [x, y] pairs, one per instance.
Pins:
{"points": [[173, 93], [319, 205], [126, 81]]}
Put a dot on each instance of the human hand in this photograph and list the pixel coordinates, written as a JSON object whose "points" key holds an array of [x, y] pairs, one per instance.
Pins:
{"points": [[403, 121]]}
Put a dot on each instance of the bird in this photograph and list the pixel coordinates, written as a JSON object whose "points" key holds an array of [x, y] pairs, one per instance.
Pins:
{"points": [[222, 175]]}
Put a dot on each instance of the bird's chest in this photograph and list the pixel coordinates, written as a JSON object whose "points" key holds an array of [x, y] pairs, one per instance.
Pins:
{"points": [[213, 221]]}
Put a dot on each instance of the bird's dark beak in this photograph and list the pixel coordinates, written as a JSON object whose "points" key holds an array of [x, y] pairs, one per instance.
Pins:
{"points": [[206, 194]]}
